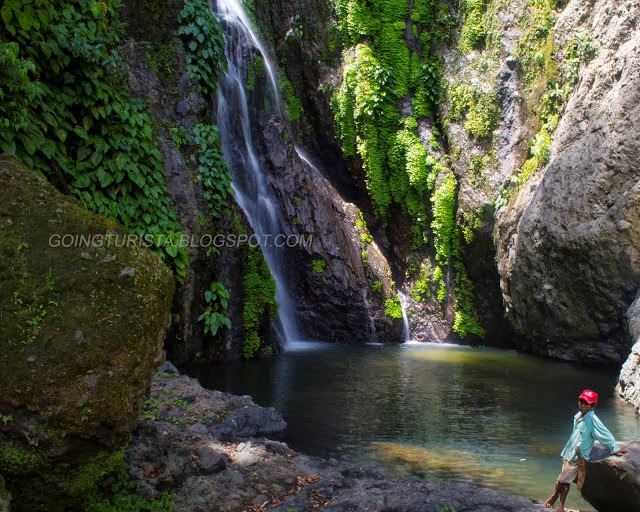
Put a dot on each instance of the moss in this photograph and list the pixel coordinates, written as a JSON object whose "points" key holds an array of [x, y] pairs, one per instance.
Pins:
{"points": [[72, 373], [478, 108], [318, 266], [260, 306], [292, 104], [84, 478], [16, 460]]}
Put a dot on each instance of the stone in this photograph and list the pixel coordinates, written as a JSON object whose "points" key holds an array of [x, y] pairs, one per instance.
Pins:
{"points": [[198, 428], [128, 273], [67, 405], [257, 421], [209, 461], [168, 367], [579, 228], [612, 484], [628, 386]]}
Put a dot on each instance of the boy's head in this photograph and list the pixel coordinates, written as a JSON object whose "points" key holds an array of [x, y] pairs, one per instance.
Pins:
{"points": [[587, 400]]}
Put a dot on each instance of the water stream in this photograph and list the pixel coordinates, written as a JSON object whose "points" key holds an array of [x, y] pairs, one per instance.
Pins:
{"points": [[406, 330], [253, 193]]}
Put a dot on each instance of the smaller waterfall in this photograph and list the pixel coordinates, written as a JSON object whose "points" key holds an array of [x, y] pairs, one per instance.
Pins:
{"points": [[406, 331]]}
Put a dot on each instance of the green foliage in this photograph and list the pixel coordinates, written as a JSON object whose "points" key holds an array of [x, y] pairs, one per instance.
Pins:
{"points": [[473, 31], [443, 223], [17, 91], [213, 172], [204, 40], [440, 284], [260, 304], [292, 104], [255, 69], [215, 315], [318, 266], [464, 322], [179, 135], [122, 496], [393, 308], [478, 108], [82, 126], [376, 287], [379, 70]]}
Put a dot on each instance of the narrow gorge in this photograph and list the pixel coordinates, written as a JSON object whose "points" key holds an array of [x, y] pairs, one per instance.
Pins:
{"points": [[216, 183]]}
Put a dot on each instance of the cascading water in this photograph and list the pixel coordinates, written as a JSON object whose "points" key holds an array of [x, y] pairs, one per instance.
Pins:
{"points": [[406, 332], [252, 191]]}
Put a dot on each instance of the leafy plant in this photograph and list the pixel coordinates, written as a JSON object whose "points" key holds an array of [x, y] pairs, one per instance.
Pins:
{"points": [[260, 303], [82, 127], [393, 308], [319, 266], [213, 172], [204, 39], [214, 316]]}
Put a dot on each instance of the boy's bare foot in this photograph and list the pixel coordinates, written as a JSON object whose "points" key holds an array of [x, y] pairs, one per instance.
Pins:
{"points": [[549, 503]]}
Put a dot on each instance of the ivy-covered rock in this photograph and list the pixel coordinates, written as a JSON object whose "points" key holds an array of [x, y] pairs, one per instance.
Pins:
{"points": [[84, 314]]}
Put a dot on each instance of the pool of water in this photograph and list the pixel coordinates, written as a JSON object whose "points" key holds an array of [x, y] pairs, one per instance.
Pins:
{"points": [[493, 418]]}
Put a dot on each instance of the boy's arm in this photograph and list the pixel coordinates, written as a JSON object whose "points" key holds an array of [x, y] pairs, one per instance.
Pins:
{"points": [[602, 434]]}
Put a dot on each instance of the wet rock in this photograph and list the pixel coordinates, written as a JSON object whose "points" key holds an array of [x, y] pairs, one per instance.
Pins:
{"points": [[209, 461], [612, 484]]}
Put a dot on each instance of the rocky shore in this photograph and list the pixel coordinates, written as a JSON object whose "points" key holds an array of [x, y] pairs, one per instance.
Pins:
{"points": [[211, 451]]}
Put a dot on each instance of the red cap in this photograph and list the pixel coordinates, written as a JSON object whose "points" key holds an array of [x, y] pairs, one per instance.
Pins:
{"points": [[591, 397]]}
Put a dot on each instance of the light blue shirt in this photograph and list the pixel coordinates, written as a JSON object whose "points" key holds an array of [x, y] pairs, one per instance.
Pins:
{"points": [[587, 430]]}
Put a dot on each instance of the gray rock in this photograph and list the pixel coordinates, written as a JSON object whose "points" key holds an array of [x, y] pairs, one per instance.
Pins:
{"points": [[566, 230], [199, 428], [183, 108], [108, 258], [209, 461], [168, 367], [612, 484], [628, 386], [257, 421], [85, 256], [128, 273]]}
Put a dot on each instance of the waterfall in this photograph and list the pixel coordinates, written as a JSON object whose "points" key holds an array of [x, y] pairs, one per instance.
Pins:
{"points": [[253, 194], [406, 332]]}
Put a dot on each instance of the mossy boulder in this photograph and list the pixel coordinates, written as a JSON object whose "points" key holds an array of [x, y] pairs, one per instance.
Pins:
{"points": [[81, 332]]}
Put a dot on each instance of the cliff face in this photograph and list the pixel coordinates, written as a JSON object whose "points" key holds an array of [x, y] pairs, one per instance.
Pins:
{"points": [[558, 260], [568, 242]]}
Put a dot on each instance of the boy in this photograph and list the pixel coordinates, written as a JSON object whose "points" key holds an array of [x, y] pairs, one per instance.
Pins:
{"points": [[587, 428]]}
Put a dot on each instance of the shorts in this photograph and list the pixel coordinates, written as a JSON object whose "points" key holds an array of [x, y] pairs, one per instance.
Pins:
{"points": [[569, 473]]}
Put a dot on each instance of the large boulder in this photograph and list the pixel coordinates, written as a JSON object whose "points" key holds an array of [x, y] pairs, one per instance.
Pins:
{"points": [[81, 334], [568, 246], [612, 484], [629, 380]]}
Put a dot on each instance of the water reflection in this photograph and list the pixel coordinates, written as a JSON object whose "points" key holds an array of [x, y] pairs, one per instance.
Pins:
{"points": [[494, 418]]}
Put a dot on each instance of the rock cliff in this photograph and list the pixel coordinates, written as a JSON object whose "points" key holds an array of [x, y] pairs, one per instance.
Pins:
{"points": [[568, 241]]}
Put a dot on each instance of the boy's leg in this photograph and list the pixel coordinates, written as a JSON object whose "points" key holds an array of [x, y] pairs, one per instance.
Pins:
{"points": [[564, 490], [552, 499]]}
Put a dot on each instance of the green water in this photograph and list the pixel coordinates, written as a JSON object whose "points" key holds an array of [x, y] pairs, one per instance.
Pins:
{"points": [[488, 417]]}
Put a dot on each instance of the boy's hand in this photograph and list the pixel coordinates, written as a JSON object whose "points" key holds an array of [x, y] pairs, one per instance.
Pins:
{"points": [[621, 452]]}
